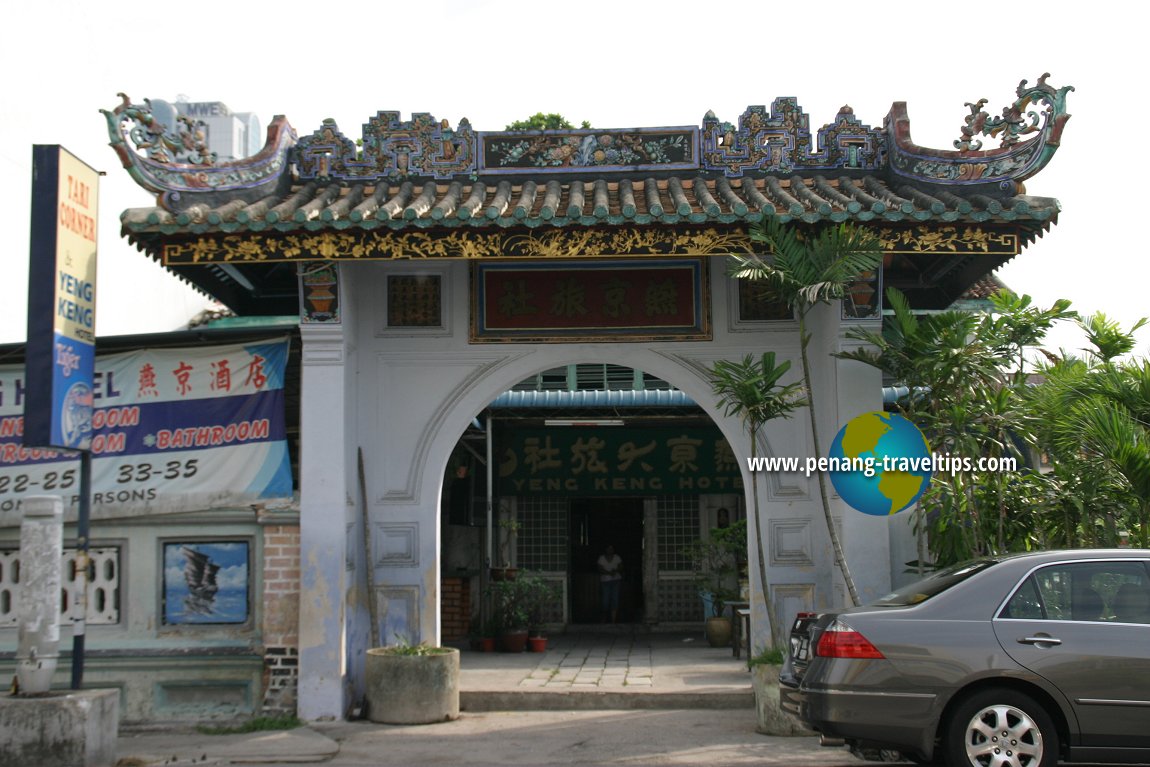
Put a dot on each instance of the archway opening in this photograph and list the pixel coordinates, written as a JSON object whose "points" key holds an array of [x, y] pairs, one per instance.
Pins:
{"points": [[582, 457]]}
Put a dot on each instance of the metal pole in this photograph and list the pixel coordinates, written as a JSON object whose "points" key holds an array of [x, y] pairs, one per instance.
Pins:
{"points": [[80, 608], [490, 494]]}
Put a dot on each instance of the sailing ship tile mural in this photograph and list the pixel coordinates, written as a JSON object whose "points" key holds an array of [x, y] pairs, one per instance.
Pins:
{"points": [[206, 582]]}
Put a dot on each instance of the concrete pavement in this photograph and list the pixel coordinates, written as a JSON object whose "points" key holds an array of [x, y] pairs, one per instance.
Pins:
{"points": [[632, 737], [599, 698]]}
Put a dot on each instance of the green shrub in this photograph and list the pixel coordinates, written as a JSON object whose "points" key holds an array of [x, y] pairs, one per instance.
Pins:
{"points": [[259, 724], [768, 656]]}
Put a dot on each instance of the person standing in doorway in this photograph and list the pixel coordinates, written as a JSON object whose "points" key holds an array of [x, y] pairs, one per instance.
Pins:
{"points": [[610, 581]]}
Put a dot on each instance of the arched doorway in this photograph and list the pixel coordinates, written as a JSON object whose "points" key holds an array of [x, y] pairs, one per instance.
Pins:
{"points": [[586, 455]]}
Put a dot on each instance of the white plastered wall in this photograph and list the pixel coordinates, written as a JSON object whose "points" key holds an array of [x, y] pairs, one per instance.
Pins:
{"points": [[409, 395]]}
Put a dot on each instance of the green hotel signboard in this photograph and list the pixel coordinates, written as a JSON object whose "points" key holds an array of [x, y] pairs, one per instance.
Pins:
{"points": [[605, 460]]}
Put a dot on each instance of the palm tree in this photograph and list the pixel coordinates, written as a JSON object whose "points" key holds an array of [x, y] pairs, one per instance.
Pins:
{"points": [[750, 390], [804, 270], [1107, 336]]}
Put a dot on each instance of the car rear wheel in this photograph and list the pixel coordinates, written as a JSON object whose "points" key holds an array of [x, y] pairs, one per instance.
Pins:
{"points": [[1000, 728]]}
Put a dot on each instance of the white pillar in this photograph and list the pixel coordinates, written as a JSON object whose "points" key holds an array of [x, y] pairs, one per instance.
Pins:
{"points": [[41, 546], [325, 458], [866, 538]]}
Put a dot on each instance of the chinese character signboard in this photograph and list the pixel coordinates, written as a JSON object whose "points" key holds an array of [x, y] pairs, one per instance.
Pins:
{"points": [[615, 461], [172, 430], [613, 300], [61, 301]]}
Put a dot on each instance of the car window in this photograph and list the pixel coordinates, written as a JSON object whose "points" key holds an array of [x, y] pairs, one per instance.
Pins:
{"points": [[933, 584], [1084, 591], [1025, 604]]}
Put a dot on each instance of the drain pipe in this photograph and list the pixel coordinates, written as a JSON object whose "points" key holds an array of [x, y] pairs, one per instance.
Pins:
{"points": [[41, 547], [490, 496]]}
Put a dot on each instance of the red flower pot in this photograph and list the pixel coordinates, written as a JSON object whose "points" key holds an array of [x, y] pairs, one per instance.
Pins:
{"points": [[514, 641]]}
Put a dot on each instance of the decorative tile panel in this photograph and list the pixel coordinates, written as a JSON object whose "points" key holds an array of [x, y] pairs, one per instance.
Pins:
{"points": [[790, 542], [397, 544], [414, 301], [103, 587]]}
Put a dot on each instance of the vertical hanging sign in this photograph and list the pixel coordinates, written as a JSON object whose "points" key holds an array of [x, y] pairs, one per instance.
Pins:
{"points": [[61, 301]]}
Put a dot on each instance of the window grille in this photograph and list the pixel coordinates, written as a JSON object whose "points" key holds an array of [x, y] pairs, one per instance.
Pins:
{"points": [[554, 379], [678, 517], [542, 536], [592, 377], [103, 587], [604, 377], [654, 382]]}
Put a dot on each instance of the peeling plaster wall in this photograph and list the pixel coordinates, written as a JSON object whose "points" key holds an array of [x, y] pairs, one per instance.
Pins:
{"points": [[415, 390], [186, 672], [325, 496]]}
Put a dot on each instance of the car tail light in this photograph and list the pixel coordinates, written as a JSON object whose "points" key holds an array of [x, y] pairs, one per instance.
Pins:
{"points": [[841, 641]]}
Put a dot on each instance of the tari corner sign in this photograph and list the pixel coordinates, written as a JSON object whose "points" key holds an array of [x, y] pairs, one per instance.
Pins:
{"points": [[61, 301]]}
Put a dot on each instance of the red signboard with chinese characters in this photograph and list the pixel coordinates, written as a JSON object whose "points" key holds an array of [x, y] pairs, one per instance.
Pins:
{"points": [[612, 300]]}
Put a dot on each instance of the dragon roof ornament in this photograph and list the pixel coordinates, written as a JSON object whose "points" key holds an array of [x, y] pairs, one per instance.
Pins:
{"points": [[173, 162], [176, 166], [1011, 163]]}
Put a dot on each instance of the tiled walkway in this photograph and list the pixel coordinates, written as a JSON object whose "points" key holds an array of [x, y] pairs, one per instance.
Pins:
{"points": [[630, 669], [608, 662]]}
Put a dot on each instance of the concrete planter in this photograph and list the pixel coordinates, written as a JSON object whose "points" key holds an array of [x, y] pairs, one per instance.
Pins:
{"points": [[412, 689], [772, 719], [74, 729]]}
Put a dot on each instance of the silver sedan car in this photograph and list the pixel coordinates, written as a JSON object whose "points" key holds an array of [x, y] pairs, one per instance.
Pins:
{"points": [[1016, 661]]}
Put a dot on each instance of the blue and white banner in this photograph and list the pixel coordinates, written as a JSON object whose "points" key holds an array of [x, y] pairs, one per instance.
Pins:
{"points": [[172, 430]]}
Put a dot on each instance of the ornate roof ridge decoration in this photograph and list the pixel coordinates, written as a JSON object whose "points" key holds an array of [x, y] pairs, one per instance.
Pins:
{"points": [[391, 150], [178, 169], [775, 143], [779, 141], [1007, 166]]}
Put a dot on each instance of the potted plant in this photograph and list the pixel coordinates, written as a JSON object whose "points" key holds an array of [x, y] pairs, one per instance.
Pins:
{"points": [[510, 612], [540, 594], [483, 634], [715, 562], [518, 605], [412, 684]]}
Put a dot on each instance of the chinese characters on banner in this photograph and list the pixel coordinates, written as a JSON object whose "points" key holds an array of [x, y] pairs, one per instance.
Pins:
{"points": [[172, 430], [643, 300], [615, 461]]}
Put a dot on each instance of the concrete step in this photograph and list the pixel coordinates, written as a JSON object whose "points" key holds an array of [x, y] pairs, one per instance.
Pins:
{"points": [[592, 700]]}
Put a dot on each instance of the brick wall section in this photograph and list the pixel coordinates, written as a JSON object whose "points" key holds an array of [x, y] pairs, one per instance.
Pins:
{"points": [[280, 618], [455, 614]]}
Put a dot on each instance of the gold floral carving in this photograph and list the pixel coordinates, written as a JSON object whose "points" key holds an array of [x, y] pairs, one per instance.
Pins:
{"points": [[466, 245], [948, 239], [551, 244]]}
